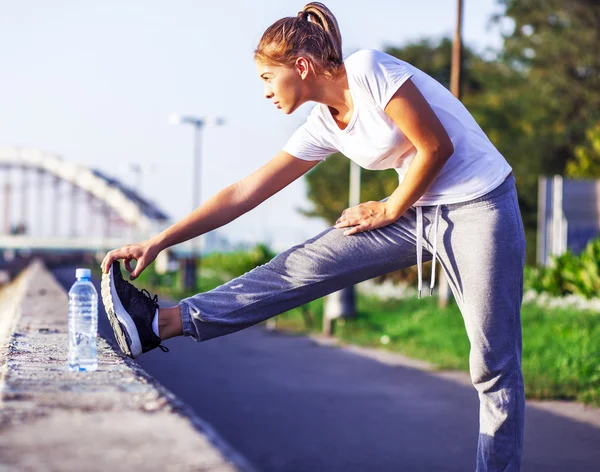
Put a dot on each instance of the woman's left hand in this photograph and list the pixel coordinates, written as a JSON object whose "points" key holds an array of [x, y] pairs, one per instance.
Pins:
{"points": [[365, 217]]}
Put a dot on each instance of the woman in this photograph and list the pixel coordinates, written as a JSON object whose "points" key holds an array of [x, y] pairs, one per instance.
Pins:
{"points": [[455, 203]]}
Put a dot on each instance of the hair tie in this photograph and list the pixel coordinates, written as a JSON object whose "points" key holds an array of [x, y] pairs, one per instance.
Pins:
{"points": [[302, 15]]}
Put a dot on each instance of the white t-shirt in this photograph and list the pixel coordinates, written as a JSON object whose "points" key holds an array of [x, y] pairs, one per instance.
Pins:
{"points": [[375, 142]]}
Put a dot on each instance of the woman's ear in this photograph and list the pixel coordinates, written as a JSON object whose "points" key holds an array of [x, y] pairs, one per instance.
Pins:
{"points": [[302, 67]]}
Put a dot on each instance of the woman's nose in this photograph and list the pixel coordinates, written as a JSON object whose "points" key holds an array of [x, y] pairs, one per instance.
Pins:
{"points": [[268, 92]]}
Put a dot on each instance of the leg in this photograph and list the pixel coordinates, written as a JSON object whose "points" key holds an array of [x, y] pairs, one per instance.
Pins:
{"points": [[483, 254], [323, 264], [169, 322]]}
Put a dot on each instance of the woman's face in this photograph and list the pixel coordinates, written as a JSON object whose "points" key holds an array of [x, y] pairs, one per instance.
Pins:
{"points": [[284, 86]]}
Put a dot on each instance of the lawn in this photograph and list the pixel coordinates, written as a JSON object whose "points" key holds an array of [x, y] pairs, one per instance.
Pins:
{"points": [[561, 347]]}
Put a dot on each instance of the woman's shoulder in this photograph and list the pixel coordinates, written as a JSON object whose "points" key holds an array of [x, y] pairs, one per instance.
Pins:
{"points": [[361, 58], [367, 59], [377, 73]]}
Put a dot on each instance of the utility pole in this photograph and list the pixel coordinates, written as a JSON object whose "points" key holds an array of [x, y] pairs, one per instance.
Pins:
{"points": [[456, 89], [455, 80]]}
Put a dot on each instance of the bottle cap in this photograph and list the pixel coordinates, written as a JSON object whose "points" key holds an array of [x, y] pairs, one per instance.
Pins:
{"points": [[79, 273]]}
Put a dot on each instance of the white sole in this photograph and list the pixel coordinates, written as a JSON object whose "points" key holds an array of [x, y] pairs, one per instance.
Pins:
{"points": [[119, 318]]}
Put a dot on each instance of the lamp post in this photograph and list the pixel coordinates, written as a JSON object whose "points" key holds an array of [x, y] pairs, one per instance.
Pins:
{"points": [[192, 268]]}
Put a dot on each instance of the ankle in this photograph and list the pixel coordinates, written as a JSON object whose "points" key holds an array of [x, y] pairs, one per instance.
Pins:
{"points": [[169, 322]]}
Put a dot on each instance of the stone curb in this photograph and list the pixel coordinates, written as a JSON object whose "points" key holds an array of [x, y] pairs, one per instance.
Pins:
{"points": [[117, 418]]}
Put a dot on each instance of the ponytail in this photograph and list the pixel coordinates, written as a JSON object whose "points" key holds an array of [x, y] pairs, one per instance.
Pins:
{"points": [[322, 16], [313, 33]]}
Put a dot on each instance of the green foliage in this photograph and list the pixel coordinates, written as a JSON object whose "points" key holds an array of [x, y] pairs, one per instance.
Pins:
{"points": [[586, 163], [215, 269], [150, 277], [435, 59], [555, 48], [569, 274], [328, 187], [234, 264], [166, 285], [561, 348]]}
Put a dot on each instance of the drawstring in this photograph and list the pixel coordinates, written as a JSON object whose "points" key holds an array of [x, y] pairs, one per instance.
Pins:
{"points": [[420, 248], [435, 237]]}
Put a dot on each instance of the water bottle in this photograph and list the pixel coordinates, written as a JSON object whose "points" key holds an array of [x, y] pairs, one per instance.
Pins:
{"points": [[83, 323]]}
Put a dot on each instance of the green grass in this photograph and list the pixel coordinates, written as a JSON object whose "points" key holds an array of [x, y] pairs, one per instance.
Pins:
{"points": [[166, 285], [414, 327], [561, 354], [561, 347]]}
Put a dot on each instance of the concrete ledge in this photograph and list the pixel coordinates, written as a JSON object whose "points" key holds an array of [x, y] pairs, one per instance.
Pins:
{"points": [[117, 418]]}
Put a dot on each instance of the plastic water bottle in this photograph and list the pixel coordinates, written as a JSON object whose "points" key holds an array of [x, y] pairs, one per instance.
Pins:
{"points": [[83, 323]]}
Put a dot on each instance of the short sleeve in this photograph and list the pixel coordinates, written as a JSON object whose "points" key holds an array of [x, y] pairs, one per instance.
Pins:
{"points": [[380, 74], [309, 142]]}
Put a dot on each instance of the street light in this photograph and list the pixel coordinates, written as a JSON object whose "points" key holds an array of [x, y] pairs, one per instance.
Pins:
{"points": [[198, 123]]}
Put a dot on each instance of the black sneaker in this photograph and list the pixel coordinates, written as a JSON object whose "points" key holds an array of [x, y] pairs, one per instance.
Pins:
{"points": [[130, 312]]}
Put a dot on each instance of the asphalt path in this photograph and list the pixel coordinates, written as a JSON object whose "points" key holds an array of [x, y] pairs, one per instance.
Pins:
{"points": [[289, 404]]}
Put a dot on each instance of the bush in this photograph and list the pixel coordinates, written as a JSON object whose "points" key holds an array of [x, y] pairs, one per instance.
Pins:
{"points": [[569, 273], [237, 263]]}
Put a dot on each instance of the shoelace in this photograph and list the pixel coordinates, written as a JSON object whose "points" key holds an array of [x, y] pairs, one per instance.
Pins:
{"points": [[155, 301], [152, 299]]}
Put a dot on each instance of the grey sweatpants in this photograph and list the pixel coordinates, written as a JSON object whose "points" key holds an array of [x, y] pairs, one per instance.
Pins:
{"points": [[481, 247]]}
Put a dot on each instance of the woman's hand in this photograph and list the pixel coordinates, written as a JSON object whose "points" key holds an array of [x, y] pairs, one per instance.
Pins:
{"points": [[365, 217], [143, 253]]}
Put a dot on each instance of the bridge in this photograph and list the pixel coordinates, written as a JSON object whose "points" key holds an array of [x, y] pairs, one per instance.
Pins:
{"points": [[51, 204]]}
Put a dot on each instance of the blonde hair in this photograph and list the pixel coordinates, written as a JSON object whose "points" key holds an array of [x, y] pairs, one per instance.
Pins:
{"points": [[313, 33]]}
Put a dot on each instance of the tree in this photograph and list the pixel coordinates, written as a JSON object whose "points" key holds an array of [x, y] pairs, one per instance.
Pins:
{"points": [[586, 163], [328, 187], [435, 59], [555, 44]]}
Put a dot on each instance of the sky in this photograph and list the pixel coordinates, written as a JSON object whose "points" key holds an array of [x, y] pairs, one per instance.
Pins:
{"points": [[95, 83]]}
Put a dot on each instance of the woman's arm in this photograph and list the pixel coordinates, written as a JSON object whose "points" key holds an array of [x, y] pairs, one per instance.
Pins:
{"points": [[415, 118], [237, 199], [224, 207]]}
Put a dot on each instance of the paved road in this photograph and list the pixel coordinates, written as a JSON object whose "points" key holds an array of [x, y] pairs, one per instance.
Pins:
{"points": [[290, 405]]}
